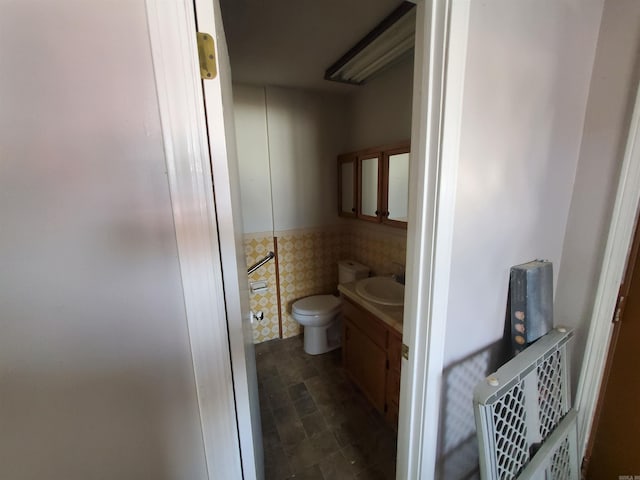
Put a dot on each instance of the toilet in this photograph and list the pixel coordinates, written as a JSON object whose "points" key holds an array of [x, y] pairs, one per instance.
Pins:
{"points": [[320, 314]]}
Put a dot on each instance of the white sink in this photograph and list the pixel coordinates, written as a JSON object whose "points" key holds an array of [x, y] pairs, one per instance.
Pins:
{"points": [[382, 290]]}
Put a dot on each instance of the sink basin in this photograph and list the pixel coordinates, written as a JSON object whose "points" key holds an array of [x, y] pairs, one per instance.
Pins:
{"points": [[382, 290]]}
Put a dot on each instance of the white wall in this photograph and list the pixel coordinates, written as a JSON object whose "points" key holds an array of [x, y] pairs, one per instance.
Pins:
{"points": [[298, 145], [96, 377], [306, 133], [253, 158], [380, 110], [613, 88], [292, 137], [526, 85]]}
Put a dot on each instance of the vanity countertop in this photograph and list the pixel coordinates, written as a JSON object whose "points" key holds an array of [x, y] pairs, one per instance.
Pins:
{"points": [[392, 316]]}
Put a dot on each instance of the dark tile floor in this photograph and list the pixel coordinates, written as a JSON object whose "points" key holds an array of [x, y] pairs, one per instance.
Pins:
{"points": [[315, 423]]}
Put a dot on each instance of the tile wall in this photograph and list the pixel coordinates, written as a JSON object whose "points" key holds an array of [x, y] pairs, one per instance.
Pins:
{"points": [[256, 246], [382, 248], [308, 265]]}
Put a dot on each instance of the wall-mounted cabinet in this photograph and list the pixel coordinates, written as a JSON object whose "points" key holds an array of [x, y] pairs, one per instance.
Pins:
{"points": [[370, 169], [395, 186], [373, 184], [347, 185]]}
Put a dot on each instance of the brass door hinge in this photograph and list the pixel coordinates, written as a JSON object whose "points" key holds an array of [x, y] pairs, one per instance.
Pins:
{"points": [[207, 56], [617, 316], [405, 351]]}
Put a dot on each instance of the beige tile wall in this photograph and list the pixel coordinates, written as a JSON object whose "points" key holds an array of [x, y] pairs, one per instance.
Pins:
{"points": [[308, 265], [380, 247], [308, 262], [256, 246]]}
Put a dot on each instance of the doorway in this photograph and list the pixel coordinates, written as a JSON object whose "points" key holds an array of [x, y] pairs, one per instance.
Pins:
{"points": [[176, 67], [289, 136], [615, 440]]}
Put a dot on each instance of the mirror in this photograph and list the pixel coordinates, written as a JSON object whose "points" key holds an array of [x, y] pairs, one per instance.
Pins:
{"points": [[369, 186], [347, 186], [398, 187]]}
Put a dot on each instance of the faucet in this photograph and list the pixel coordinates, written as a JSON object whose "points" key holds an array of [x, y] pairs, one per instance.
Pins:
{"points": [[400, 275]]}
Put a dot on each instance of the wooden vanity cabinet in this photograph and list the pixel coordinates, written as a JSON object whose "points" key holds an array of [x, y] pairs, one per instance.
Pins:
{"points": [[365, 363], [371, 356]]}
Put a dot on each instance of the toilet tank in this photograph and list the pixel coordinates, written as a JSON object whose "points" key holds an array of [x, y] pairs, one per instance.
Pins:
{"points": [[350, 271]]}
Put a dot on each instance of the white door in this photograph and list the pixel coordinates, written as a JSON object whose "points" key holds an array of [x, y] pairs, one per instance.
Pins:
{"points": [[218, 101], [202, 172], [430, 215]]}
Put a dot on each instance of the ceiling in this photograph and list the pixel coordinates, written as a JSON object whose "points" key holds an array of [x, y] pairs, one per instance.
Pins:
{"points": [[292, 42]]}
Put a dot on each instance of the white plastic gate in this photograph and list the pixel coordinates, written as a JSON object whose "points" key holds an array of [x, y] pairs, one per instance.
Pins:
{"points": [[525, 424]]}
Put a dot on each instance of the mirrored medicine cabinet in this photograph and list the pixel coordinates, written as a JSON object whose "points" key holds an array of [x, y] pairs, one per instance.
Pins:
{"points": [[373, 184]]}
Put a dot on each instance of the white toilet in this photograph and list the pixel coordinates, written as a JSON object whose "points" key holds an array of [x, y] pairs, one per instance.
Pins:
{"points": [[320, 314]]}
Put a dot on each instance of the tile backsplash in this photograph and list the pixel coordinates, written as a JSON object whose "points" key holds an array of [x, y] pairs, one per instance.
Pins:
{"points": [[256, 246], [377, 246], [308, 265]]}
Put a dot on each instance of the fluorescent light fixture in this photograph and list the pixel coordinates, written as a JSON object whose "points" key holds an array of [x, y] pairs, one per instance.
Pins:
{"points": [[388, 42]]}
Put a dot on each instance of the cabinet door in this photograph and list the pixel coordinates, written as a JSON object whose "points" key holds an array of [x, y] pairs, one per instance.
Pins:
{"points": [[365, 363], [393, 387], [394, 356], [391, 415], [394, 350], [370, 170], [395, 186], [347, 185]]}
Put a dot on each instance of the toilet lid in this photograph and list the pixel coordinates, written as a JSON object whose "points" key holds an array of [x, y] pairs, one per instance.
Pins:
{"points": [[316, 304]]}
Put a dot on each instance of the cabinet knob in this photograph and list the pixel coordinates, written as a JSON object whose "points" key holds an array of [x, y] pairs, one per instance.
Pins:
{"points": [[377, 212], [353, 210]]}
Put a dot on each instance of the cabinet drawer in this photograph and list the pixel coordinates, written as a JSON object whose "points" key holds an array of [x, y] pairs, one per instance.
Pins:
{"points": [[366, 322]]}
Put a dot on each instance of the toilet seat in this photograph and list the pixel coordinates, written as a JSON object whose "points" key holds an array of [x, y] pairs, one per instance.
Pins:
{"points": [[316, 305]]}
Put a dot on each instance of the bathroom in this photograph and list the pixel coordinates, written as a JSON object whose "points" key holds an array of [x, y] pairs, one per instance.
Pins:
{"points": [[290, 131]]}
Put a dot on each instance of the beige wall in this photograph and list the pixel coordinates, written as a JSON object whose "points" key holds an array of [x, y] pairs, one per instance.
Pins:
{"points": [[289, 138], [380, 114], [253, 158], [306, 132], [527, 81], [527, 78], [380, 110], [614, 84], [96, 375]]}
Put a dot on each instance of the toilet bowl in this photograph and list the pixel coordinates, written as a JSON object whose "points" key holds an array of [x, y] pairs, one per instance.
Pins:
{"points": [[320, 314]]}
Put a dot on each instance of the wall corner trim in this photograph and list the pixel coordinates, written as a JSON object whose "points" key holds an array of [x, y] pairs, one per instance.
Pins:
{"points": [[440, 61], [619, 239], [172, 30]]}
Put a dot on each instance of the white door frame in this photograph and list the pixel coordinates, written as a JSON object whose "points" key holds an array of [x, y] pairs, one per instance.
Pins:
{"points": [[619, 240], [440, 60], [441, 40], [218, 103], [181, 104]]}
